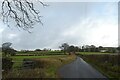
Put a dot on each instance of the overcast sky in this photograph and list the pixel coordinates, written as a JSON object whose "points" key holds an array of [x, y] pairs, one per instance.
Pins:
{"points": [[77, 23]]}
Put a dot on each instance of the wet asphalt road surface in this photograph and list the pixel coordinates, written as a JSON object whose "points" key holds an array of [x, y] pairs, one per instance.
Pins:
{"points": [[79, 69]]}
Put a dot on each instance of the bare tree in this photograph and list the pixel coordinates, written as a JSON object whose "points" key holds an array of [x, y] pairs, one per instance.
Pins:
{"points": [[22, 13], [64, 47]]}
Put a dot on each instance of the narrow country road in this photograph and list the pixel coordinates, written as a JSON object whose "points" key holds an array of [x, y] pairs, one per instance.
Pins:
{"points": [[79, 69]]}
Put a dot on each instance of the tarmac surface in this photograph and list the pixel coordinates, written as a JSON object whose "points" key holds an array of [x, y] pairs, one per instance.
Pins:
{"points": [[79, 69]]}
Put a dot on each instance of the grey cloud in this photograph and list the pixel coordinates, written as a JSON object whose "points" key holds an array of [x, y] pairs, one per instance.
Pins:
{"points": [[62, 23]]}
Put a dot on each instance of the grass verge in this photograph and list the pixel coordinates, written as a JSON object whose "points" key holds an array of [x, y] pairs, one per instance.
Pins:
{"points": [[108, 65], [50, 65]]}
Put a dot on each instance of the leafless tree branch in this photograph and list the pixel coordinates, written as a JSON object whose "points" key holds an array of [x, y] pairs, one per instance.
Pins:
{"points": [[22, 13]]}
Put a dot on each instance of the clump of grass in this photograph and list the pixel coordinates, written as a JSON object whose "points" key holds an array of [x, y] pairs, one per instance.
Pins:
{"points": [[51, 65], [29, 73]]}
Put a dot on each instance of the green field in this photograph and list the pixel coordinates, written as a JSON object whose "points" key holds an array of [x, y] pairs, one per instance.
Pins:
{"points": [[40, 53], [19, 59], [50, 65], [50, 61], [90, 53]]}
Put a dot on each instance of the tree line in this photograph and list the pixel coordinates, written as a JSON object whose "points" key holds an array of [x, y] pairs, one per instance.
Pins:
{"points": [[65, 47]]}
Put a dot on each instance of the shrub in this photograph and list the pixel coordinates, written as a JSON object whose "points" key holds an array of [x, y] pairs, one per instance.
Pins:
{"points": [[6, 63]]}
